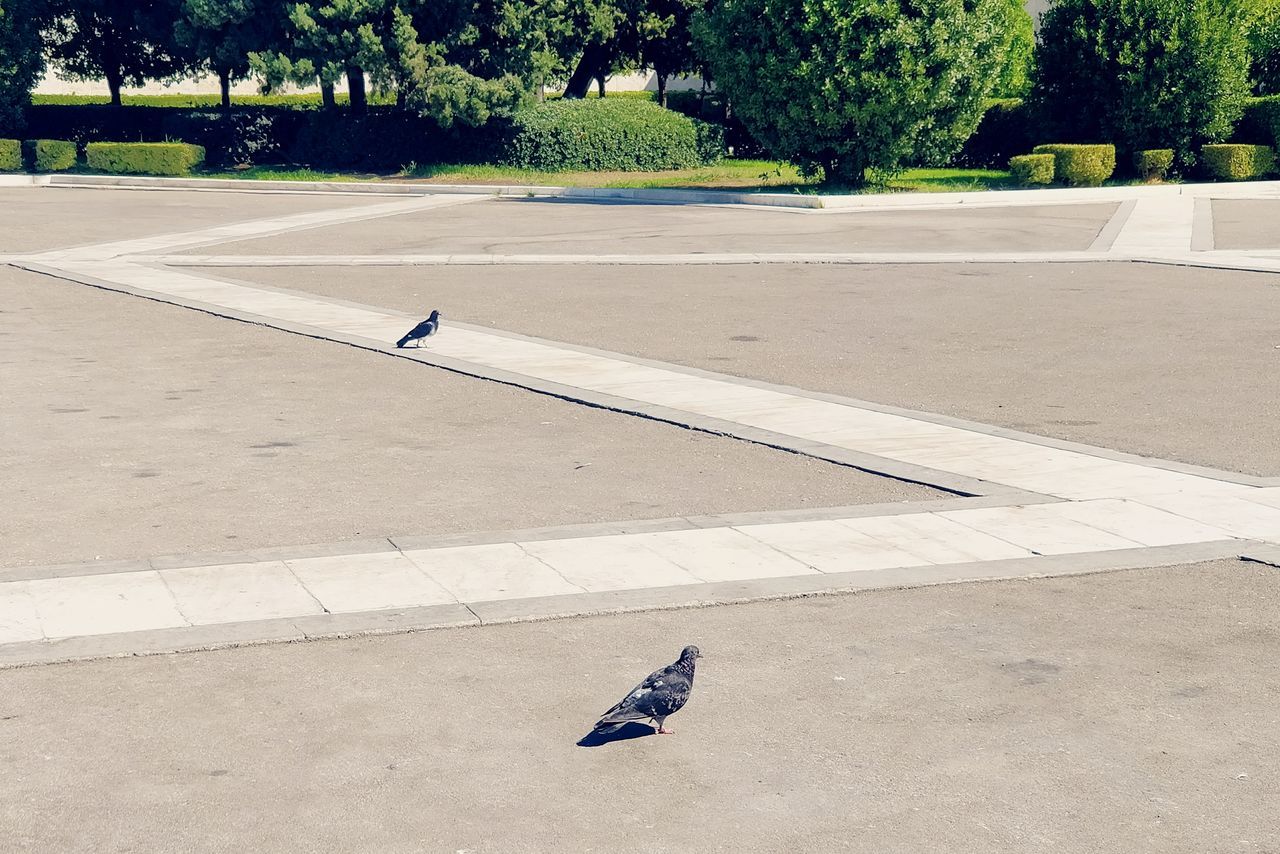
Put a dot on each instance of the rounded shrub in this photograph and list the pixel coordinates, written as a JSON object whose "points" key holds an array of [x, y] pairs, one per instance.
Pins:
{"points": [[606, 133], [50, 155], [1143, 73], [846, 86], [1153, 164], [143, 158], [10, 155], [1238, 162], [1032, 169], [1081, 165]]}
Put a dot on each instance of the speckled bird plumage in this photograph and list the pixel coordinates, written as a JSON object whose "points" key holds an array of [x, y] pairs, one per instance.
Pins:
{"points": [[663, 693]]}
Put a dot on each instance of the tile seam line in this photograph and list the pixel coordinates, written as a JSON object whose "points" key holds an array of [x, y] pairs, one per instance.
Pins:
{"points": [[520, 545], [956, 485], [302, 584]]}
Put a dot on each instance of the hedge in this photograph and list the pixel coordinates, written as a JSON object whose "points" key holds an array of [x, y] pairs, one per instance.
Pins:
{"points": [[10, 155], [1081, 165], [624, 135], [50, 155], [143, 158], [1234, 162], [1153, 164], [1006, 129], [1031, 169], [1260, 124]]}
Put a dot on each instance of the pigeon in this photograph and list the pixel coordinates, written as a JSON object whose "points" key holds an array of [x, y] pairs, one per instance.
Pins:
{"points": [[663, 693], [425, 329]]}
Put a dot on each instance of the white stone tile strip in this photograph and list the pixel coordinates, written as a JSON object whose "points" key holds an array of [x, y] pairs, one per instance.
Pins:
{"points": [[251, 229], [274, 589], [1158, 225]]}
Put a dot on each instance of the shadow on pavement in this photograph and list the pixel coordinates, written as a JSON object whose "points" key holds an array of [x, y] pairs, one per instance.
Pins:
{"points": [[626, 733]]}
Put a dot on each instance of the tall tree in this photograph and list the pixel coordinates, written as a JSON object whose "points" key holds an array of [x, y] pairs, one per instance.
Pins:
{"points": [[120, 41], [666, 40], [21, 60], [220, 35]]}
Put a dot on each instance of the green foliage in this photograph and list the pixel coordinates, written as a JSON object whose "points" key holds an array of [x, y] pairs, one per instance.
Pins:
{"points": [[50, 155], [1029, 169], [10, 155], [121, 41], [21, 60], [1144, 73], [622, 135], [1081, 165], [1263, 32], [143, 158], [295, 100], [1153, 164], [1236, 162], [1015, 74], [847, 86], [1260, 123], [449, 94], [1006, 128], [220, 34]]}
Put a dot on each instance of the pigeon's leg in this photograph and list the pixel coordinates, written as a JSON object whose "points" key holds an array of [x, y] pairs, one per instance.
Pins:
{"points": [[662, 730]]}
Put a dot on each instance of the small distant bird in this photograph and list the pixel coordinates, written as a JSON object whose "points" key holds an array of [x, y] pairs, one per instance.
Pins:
{"points": [[425, 329], [662, 694]]}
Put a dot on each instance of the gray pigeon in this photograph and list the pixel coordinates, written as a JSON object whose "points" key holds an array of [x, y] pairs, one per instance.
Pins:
{"points": [[425, 329], [663, 693]]}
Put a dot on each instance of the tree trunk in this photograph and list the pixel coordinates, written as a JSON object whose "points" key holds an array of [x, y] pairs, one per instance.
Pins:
{"points": [[114, 81], [326, 95], [587, 69], [355, 85], [662, 89], [600, 84], [224, 84]]}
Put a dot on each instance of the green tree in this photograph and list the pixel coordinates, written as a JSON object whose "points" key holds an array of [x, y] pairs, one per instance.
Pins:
{"points": [[666, 40], [1015, 76], [1142, 73], [21, 60], [220, 35], [120, 41], [847, 86], [1263, 30]]}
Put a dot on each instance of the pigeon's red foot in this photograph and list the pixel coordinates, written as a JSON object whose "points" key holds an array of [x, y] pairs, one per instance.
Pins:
{"points": [[662, 731]]}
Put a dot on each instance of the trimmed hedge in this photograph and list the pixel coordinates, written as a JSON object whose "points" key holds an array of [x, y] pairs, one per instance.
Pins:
{"points": [[144, 158], [1234, 162], [10, 155], [1153, 164], [626, 135], [50, 155], [1081, 165], [1029, 169]]}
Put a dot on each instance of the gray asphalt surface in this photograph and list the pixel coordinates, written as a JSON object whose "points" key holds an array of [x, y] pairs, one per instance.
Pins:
{"points": [[37, 220], [133, 428], [547, 226], [1163, 361], [1246, 223], [1132, 711]]}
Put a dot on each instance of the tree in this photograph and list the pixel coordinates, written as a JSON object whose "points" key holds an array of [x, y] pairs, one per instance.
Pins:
{"points": [[120, 41], [846, 86], [220, 35], [666, 40], [1015, 76], [1263, 30], [1142, 73], [21, 60]]}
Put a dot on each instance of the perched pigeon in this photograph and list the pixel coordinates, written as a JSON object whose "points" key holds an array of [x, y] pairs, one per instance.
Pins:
{"points": [[660, 695], [425, 329]]}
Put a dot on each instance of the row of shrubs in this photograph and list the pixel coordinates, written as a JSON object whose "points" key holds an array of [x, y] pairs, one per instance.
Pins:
{"points": [[112, 158], [608, 133], [1091, 165]]}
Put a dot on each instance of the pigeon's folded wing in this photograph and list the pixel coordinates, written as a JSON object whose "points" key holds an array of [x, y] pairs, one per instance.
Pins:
{"points": [[660, 694]]}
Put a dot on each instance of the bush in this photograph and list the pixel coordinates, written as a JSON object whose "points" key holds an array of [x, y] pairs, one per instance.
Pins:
{"points": [[1006, 128], [144, 158], [10, 155], [1260, 124], [1031, 169], [1144, 73], [21, 60], [1153, 164], [1263, 31], [1238, 162], [1014, 79], [50, 155], [1081, 165], [603, 133], [710, 107], [846, 86]]}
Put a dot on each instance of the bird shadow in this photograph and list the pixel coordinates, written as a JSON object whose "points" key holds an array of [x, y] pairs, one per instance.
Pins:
{"points": [[626, 733]]}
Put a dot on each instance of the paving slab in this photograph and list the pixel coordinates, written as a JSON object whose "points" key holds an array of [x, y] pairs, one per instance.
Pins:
{"points": [[548, 226], [41, 219], [1162, 361], [1246, 223], [134, 429], [977, 717]]}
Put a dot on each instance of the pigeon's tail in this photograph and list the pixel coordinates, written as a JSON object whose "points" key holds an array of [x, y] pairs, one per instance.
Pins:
{"points": [[402, 341], [606, 727]]}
